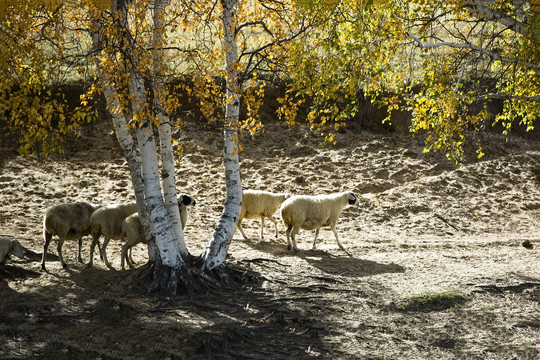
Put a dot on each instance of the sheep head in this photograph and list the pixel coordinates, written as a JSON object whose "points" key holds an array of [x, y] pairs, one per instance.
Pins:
{"points": [[186, 200]]}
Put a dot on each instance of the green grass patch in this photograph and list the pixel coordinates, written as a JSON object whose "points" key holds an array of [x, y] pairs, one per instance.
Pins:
{"points": [[434, 301]]}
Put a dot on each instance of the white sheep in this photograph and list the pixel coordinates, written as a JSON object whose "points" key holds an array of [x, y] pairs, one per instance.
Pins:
{"points": [[133, 232], [70, 221], [260, 204], [9, 246], [314, 212], [107, 221]]}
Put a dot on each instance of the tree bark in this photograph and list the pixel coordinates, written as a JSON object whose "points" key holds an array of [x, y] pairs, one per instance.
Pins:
{"points": [[164, 127], [159, 220], [144, 167], [216, 251], [125, 139], [478, 9]]}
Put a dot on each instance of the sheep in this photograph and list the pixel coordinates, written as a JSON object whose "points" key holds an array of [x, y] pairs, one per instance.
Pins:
{"points": [[9, 246], [70, 221], [313, 213], [260, 204], [107, 221], [133, 232]]}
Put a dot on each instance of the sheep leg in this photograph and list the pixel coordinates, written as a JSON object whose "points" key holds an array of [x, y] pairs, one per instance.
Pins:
{"points": [[293, 237], [59, 248], [79, 258], [292, 233], [95, 240], [131, 262], [241, 229], [315, 240], [131, 255], [337, 239], [275, 225], [124, 256], [288, 232], [104, 252], [262, 227], [48, 238]]}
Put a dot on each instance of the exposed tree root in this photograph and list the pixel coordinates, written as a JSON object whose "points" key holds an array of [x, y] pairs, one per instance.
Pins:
{"points": [[192, 278]]}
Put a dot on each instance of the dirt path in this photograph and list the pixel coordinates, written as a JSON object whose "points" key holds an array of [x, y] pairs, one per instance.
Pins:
{"points": [[422, 226]]}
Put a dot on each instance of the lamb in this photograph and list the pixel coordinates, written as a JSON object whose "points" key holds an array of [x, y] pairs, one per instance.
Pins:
{"points": [[107, 221], [313, 213], [133, 232], [70, 221], [260, 204], [9, 246]]}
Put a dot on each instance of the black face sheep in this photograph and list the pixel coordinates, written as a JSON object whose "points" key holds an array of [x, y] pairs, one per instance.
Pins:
{"points": [[133, 232], [107, 221], [313, 213], [70, 221], [9, 246], [260, 204]]}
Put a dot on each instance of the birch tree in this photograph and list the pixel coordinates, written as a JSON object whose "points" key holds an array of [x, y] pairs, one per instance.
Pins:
{"points": [[255, 36], [116, 41], [130, 52], [218, 245]]}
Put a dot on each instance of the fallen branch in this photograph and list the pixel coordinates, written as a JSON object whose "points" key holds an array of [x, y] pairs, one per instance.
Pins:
{"points": [[297, 298], [265, 259], [314, 287], [439, 216], [512, 288], [328, 279]]}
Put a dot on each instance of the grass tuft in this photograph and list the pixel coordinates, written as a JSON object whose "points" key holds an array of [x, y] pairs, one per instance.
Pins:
{"points": [[434, 301]]}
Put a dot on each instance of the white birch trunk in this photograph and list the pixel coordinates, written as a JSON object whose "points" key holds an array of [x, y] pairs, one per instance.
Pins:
{"points": [[152, 211], [125, 140], [165, 135], [218, 245], [160, 226], [159, 220], [169, 184]]}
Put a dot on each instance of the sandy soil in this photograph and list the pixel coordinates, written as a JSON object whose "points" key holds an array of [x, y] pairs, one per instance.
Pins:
{"points": [[422, 225]]}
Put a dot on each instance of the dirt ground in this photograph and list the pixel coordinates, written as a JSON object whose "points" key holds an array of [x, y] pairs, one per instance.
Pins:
{"points": [[423, 226]]}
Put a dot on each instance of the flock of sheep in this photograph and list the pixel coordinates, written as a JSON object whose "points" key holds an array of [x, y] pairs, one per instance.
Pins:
{"points": [[73, 221]]}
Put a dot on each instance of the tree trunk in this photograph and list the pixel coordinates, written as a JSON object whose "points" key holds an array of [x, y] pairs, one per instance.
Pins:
{"points": [[144, 169], [125, 140], [159, 219], [165, 136], [216, 251], [160, 226]]}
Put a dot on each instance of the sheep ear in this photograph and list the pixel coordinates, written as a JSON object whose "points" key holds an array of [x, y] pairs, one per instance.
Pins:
{"points": [[352, 198]]}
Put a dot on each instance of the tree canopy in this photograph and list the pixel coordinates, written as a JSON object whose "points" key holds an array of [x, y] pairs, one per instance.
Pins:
{"points": [[443, 61]]}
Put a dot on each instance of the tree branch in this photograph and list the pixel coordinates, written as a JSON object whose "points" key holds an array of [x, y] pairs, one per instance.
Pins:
{"points": [[509, 97], [477, 49], [251, 23], [277, 42], [479, 9]]}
